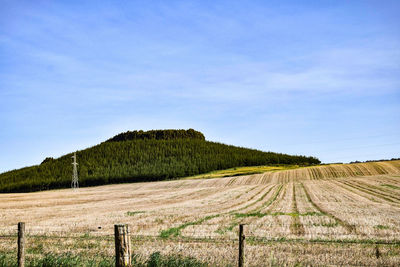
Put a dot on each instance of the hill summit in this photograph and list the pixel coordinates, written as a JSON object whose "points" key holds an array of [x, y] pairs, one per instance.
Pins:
{"points": [[158, 135], [137, 156]]}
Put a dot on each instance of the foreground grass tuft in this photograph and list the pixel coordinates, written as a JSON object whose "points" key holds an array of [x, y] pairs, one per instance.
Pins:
{"points": [[157, 260], [69, 260], [65, 260]]}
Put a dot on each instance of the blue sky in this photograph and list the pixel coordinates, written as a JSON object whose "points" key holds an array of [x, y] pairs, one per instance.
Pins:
{"points": [[317, 78]]}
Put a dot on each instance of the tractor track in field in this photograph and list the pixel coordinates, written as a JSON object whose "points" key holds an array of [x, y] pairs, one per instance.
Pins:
{"points": [[371, 192], [297, 227], [350, 228], [376, 189], [175, 231]]}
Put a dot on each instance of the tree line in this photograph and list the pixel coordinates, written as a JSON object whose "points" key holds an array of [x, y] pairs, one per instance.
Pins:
{"points": [[141, 159]]}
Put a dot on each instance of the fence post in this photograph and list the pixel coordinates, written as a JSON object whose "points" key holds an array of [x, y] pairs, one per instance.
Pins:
{"points": [[21, 244], [241, 245], [122, 246]]}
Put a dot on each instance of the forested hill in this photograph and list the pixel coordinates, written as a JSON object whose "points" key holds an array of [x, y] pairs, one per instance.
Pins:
{"points": [[142, 156]]}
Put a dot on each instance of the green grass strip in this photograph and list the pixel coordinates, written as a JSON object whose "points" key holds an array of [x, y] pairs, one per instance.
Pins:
{"points": [[391, 186], [176, 231], [132, 213], [293, 214]]}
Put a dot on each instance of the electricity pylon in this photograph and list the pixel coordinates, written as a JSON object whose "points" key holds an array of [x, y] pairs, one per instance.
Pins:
{"points": [[74, 183]]}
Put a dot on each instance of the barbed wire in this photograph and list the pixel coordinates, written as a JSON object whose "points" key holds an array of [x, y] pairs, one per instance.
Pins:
{"points": [[199, 237], [250, 228]]}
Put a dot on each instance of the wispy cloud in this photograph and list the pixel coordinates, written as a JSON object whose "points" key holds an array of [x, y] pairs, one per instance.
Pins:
{"points": [[251, 74]]}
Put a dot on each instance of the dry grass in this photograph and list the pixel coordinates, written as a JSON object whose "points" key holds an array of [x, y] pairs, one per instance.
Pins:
{"points": [[243, 171], [346, 208]]}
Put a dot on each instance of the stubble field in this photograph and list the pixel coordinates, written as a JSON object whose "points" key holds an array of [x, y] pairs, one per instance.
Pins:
{"points": [[326, 215]]}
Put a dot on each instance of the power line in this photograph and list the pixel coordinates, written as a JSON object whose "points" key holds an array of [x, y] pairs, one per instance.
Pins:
{"points": [[367, 146], [343, 139]]}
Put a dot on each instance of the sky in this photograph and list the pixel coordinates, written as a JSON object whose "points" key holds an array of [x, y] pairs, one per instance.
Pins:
{"points": [[315, 78]]}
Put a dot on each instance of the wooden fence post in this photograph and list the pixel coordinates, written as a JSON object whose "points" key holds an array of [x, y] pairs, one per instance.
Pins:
{"points": [[21, 244], [122, 246], [241, 246]]}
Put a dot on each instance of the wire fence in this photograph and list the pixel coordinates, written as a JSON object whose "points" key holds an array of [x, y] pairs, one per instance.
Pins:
{"points": [[218, 233], [218, 249]]}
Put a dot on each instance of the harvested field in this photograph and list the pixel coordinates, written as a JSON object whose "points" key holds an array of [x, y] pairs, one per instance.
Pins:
{"points": [[333, 214]]}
